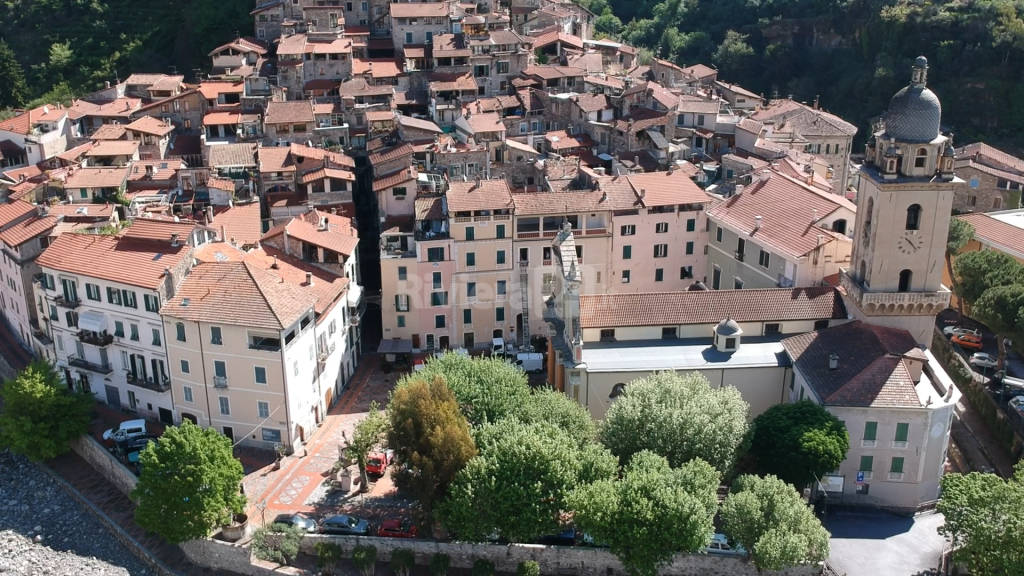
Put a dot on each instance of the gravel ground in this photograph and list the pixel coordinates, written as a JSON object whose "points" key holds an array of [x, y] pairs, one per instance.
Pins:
{"points": [[44, 531]]}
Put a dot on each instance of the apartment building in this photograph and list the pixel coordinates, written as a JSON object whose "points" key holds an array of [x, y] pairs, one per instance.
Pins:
{"points": [[896, 402], [418, 22], [23, 235], [778, 231], [993, 179], [31, 136], [100, 298], [258, 347]]}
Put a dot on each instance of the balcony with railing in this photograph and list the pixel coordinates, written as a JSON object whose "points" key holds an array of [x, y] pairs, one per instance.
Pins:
{"points": [[740, 256], [66, 302], [220, 381], [100, 339], [156, 384], [264, 344], [79, 362]]}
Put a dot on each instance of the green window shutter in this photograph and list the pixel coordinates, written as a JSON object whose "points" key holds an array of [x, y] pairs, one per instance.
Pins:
{"points": [[865, 463], [467, 316], [627, 252], [897, 465], [902, 431], [870, 429]]}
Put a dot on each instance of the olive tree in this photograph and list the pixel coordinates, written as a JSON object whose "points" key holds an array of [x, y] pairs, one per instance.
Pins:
{"points": [[680, 417]]}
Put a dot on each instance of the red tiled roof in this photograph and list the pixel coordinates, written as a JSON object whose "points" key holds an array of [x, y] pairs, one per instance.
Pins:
{"points": [[592, 102], [124, 260], [240, 45], [14, 210], [419, 124], [159, 230], [666, 188], [339, 235], [303, 151], [451, 82], [222, 118], [109, 132], [486, 195], [872, 369], [274, 159], [709, 307], [991, 156], [22, 123], [212, 89], [790, 212], [419, 9], [28, 229], [486, 122], [403, 149], [395, 178], [539, 203], [113, 148], [995, 232], [102, 177], [560, 140], [289, 112], [429, 208], [162, 169], [699, 71], [241, 223], [320, 174]]}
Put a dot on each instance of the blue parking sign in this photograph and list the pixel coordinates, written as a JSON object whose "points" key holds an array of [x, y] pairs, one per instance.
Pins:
{"points": [[860, 477]]}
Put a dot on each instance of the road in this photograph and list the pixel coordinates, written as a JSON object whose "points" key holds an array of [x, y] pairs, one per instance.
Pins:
{"points": [[873, 543]]}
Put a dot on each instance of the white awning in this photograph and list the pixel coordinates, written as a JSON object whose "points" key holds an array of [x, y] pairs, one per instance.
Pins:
{"points": [[92, 321]]}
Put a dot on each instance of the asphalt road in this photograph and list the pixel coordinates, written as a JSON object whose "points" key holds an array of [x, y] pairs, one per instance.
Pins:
{"points": [[873, 543]]}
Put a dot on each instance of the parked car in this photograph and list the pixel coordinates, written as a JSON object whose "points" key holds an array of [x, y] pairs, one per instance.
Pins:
{"points": [[1017, 405], [969, 341], [397, 528], [951, 331], [377, 463], [720, 545], [127, 430], [983, 360], [299, 521], [567, 537], [346, 525]]}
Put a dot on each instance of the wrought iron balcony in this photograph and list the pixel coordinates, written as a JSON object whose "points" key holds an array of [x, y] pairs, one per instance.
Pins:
{"points": [[101, 339], [64, 302], [79, 362], [158, 384], [220, 381]]}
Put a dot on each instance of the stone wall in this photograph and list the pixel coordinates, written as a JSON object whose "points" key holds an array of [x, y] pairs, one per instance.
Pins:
{"points": [[226, 557], [105, 463]]}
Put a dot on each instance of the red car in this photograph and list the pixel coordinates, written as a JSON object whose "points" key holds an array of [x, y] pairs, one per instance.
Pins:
{"points": [[967, 341], [377, 463], [397, 528]]}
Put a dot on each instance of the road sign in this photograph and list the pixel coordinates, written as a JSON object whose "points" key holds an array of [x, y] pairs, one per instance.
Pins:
{"points": [[860, 477]]}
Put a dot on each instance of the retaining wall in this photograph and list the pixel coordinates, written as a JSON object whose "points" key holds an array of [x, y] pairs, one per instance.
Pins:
{"points": [[552, 559], [105, 463]]}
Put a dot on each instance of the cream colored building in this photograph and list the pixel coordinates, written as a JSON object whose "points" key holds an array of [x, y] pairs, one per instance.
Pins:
{"points": [[778, 231], [256, 347]]}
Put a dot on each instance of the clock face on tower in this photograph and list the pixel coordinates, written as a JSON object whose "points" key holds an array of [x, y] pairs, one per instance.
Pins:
{"points": [[910, 242]]}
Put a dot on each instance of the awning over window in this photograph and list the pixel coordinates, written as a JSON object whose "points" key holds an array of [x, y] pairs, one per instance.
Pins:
{"points": [[658, 138], [92, 321]]}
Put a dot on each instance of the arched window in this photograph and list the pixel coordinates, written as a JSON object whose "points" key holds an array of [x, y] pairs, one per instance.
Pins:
{"points": [[839, 226], [914, 217], [922, 158], [617, 390], [867, 222], [905, 277]]}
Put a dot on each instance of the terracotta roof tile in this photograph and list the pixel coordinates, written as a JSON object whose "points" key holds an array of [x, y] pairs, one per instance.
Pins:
{"points": [[419, 10], [109, 132], [483, 195], [710, 307], [274, 159], [289, 112], [665, 188], [12, 210], [991, 156], [338, 236], [117, 259], [235, 154], [321, 173], [393, 179], [790, 212], [151, 125], [403, 149], [419, 124], [996, 232], [872, 369], [22, 123], [28, 229], [337, 158], [241, 223], [97, 177], [153, 229]]}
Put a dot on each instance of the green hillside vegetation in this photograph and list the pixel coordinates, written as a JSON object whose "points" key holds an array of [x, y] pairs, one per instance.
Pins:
{"points": [[853, 54]]}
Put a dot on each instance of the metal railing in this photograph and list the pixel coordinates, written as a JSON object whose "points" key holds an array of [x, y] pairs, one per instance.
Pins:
{"points": [[79, 362], [220, 381], [157, 384]]}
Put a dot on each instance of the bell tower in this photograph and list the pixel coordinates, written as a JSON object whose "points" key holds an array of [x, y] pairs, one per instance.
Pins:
{"points": [[904, 203]]}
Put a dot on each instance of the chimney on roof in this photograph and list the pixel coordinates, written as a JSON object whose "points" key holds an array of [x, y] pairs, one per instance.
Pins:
{"points": [[223, 233], [764, 175], [757, 222], [106, 84], [174, 240], [309, 278], [739, 190], [821, 238], [643, 192], [168, 282], [476, 182], [833, 361], [209, 214], [274, 265], [334, 210]]}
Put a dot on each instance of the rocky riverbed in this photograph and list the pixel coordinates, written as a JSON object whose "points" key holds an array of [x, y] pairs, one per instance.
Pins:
{"points": [[43, 531]]}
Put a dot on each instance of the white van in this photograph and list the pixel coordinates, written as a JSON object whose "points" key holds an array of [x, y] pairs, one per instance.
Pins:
{"points": [[127, 430], [530, 361]]}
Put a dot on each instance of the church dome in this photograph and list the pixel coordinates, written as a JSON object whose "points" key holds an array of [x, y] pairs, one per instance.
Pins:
{"points": [[914, 112]]}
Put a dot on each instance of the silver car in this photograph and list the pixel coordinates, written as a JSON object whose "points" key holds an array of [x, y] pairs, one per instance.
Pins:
{"points": [[983, 360]]}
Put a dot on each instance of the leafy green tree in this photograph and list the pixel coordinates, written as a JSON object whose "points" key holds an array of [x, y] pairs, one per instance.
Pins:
{"points": [[280, 543], [482, 567], [430, 437], [439, 563], [768, 517], [1001, 308], [960, 233], [734, 56], [402, 561], [680, 417], [365, 559], [39, 416], [607, 25], [366, 436], [190, 483], [516, 488], [980, 270], [327, 556], [652, 512], [984, 520], [797, 442], [13, 89], [487, 389], [549, 405], [528, 568]]}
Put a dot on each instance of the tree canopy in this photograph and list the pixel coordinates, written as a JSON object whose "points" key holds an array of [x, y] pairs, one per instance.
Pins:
{"points": [[651, 512], [797, 442], [980, 270], [189, 485], [517, 487], [680, 417], [487, 389], [430, 437], [768, 518], [40, 416], [984, 519], [554, 407]]}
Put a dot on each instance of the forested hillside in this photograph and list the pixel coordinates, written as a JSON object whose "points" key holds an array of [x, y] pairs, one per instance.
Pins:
{"points": [[74, 46], [853, 54]]}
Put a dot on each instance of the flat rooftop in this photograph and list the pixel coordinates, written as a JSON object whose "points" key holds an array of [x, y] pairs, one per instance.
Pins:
{"points": [[684, 354]]}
